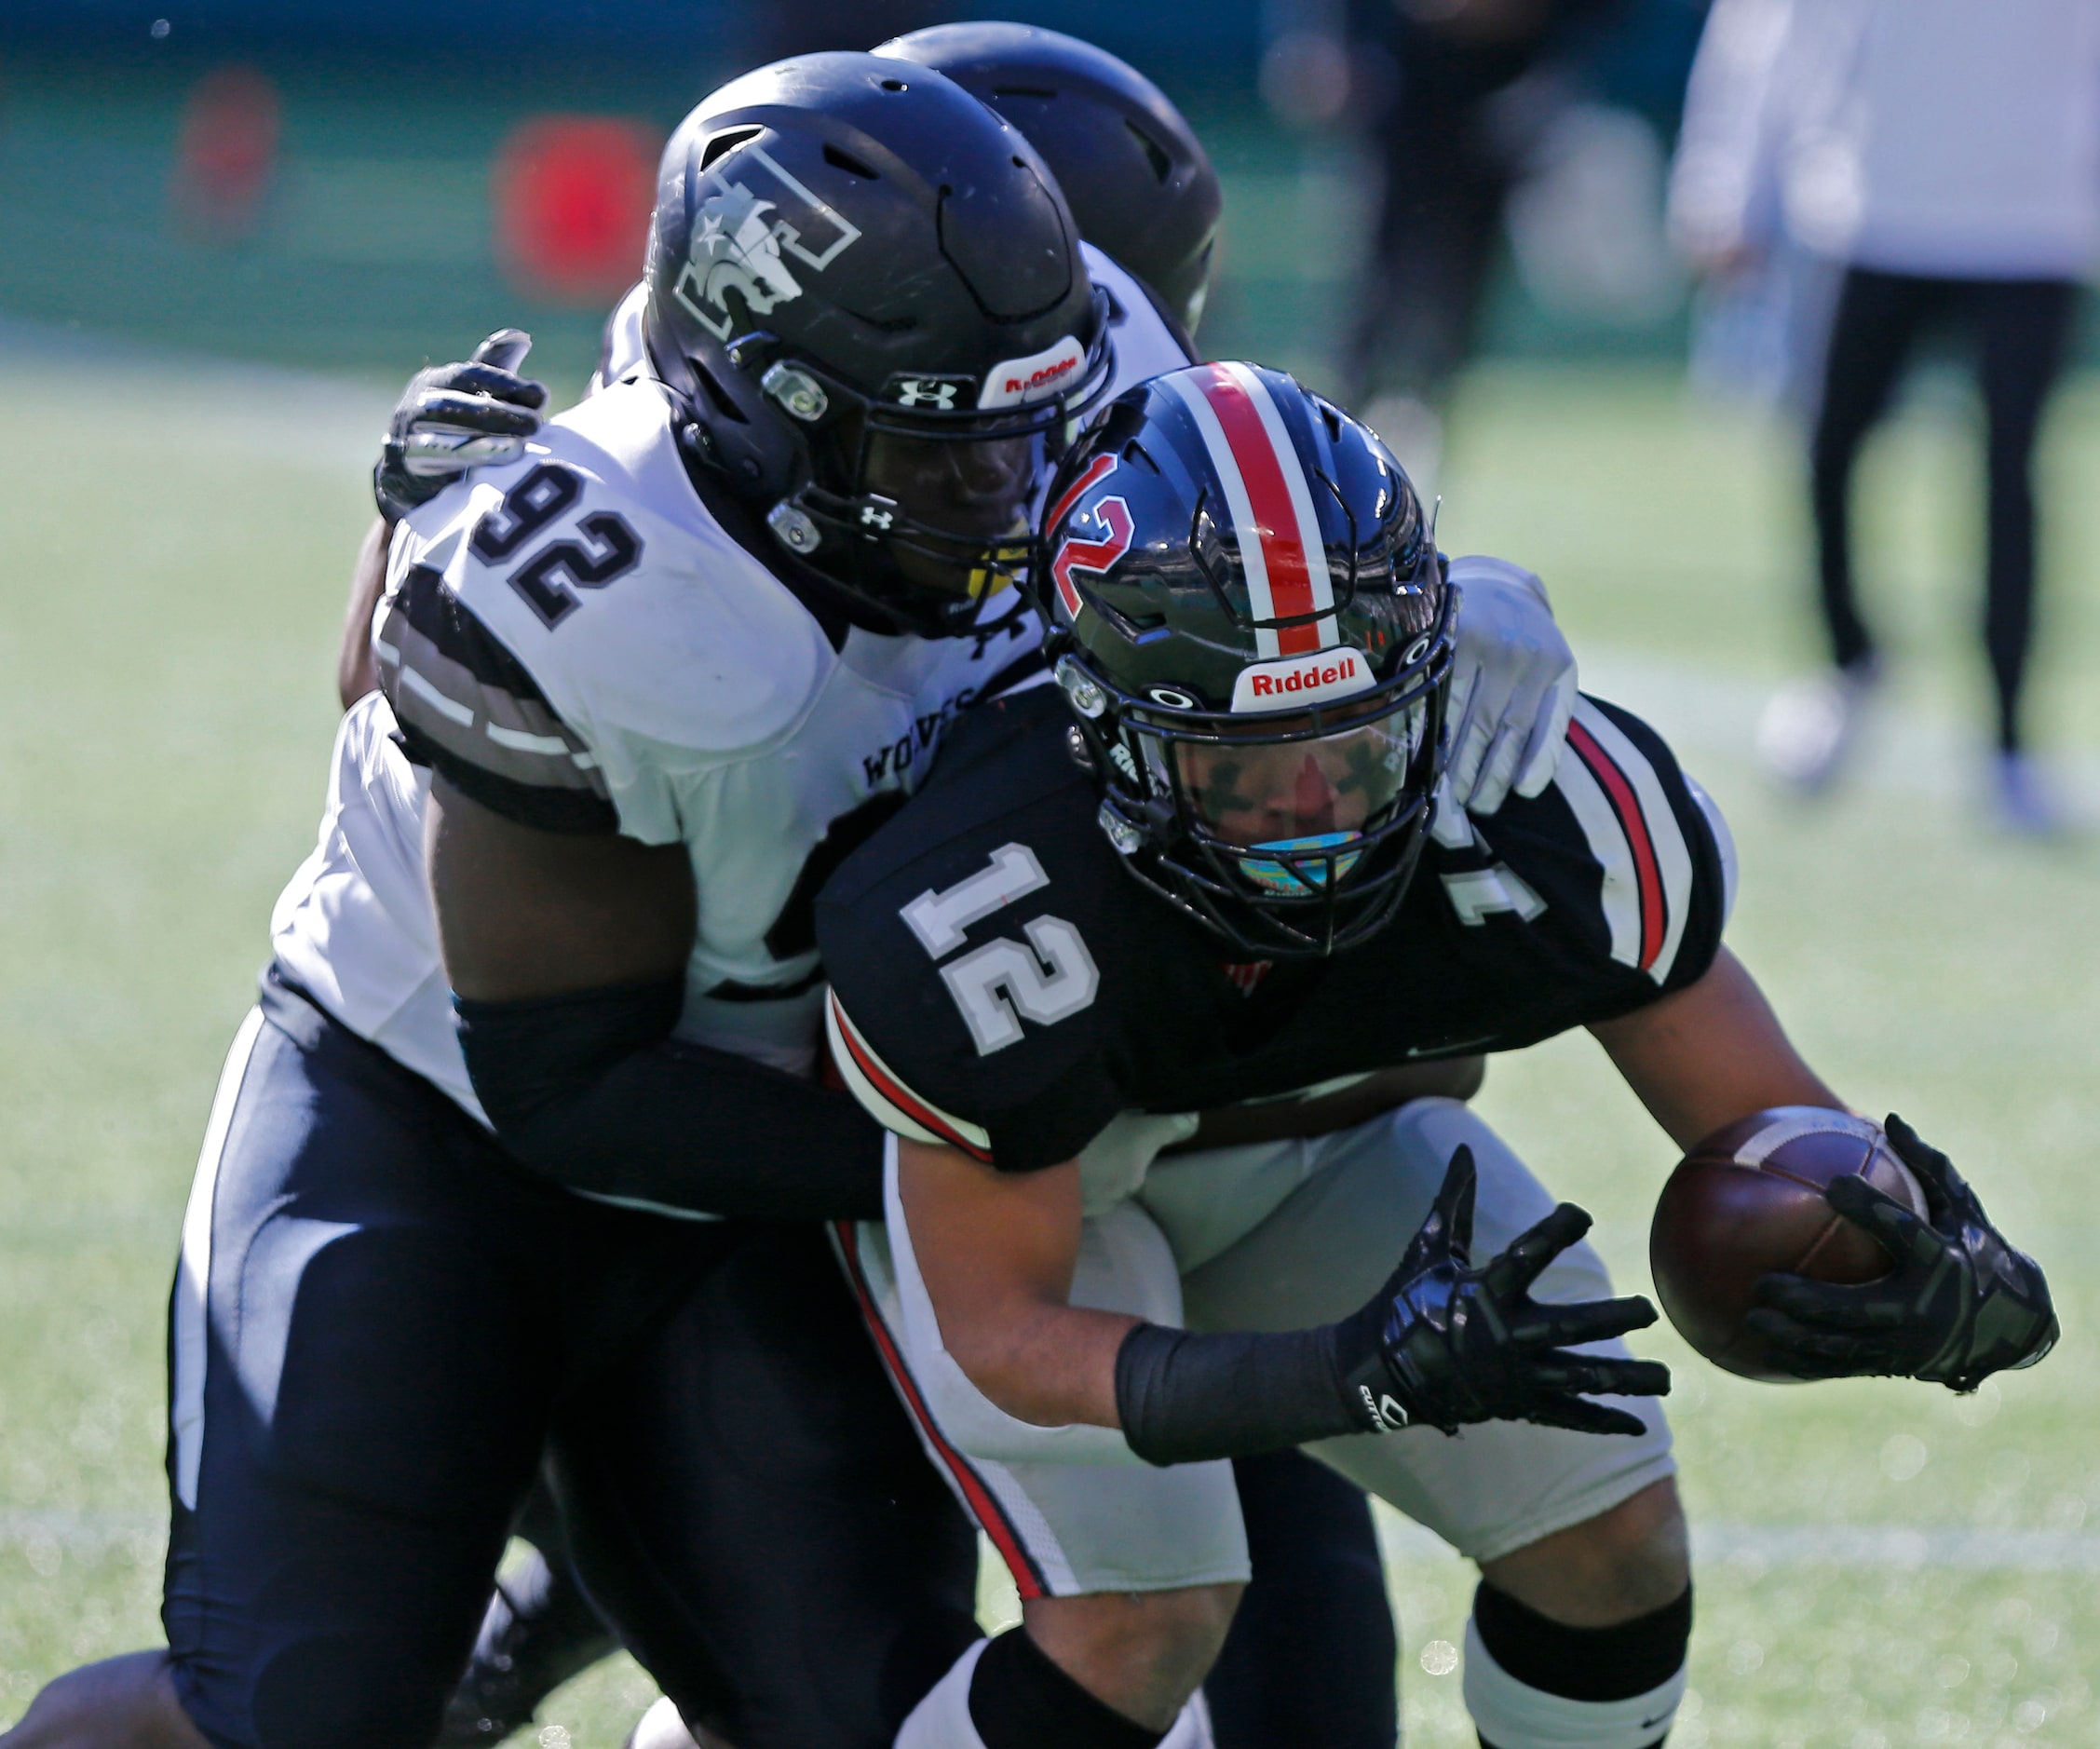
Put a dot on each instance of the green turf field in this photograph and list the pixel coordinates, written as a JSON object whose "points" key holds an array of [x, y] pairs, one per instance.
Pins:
{"points": [[1880, 1564]]}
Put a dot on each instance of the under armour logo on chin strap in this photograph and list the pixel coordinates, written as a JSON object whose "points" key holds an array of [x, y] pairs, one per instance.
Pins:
{"points": [[874, 516]]}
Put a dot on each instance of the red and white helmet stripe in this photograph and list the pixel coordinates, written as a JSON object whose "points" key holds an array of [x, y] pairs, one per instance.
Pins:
{"points": [[1270, 502]]}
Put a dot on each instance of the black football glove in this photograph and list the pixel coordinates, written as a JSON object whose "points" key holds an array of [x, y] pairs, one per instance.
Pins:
{"points": [[1446, 1345], [1960, 1304], [456, 417]]}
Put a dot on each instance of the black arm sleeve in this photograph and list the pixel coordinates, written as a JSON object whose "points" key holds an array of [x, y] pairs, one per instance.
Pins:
{"points": [[1186, 1399], [592, 1092]]}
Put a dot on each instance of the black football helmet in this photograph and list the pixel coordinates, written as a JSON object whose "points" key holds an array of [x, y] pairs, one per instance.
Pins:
{"points": [[1138, 180], [867, 292], [1251, 626]]}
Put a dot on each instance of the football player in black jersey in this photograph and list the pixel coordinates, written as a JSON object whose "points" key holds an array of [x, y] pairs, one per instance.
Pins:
{"points": [[1207, 868]]}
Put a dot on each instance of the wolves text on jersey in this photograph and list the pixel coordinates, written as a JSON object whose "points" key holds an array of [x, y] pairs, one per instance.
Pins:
{"points": [[889, 763]]}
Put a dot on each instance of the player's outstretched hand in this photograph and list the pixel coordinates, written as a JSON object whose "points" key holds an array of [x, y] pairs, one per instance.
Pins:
{"points": [[1446, 1345], [1512, 687], [456, 417], [1960, 1304]]}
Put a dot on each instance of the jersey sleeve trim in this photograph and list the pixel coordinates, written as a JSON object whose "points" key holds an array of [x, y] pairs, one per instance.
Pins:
{"points": [[1724, 844], [887, 1100], [1619, 801], [469, 708]]}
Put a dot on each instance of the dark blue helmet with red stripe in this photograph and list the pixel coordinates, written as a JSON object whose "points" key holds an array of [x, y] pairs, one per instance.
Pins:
{"points": [[1251, 624]]}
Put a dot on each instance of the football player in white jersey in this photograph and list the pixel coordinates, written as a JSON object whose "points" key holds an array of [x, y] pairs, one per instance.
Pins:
{"points": [[643, 686]]}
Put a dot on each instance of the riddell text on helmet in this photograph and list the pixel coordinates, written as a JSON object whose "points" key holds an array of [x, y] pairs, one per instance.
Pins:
{"points": [[1018, 382], [1302, 680], [1035, 380]]}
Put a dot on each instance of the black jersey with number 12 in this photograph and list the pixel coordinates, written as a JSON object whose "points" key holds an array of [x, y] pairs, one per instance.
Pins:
{"points": [[1001, 983]]}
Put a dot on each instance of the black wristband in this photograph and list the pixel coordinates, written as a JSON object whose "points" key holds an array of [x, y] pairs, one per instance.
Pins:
{"points": [[1186, 1399]]}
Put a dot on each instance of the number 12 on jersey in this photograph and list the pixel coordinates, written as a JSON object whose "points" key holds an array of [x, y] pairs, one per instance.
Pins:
{"points": [[998, 986]]}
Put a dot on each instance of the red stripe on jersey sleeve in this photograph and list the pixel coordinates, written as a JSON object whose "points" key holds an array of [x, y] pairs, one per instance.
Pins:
{"points": [[909, 1102], [1027, 1576], [1647, 874], [1261, 472]]}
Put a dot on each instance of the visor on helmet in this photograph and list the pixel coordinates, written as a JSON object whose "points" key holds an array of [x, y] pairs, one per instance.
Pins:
{"points": [[1307, 798]]}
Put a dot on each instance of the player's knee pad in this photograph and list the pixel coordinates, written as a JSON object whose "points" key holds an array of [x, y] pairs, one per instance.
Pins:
{"points": [[1533, 1684], [1006, 1693]]}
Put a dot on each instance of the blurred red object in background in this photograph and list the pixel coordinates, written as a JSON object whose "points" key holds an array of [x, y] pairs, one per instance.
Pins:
{"points": [[226, 154], [573, 197]]}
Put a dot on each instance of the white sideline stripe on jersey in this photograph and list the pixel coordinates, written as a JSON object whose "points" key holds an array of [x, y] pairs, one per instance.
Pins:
{"points": [[1300, 489], [671, 1210], [526, 741], [519, 741], [1672, 855], [1253, 560], [850, 1049], [1724, 842], [410, 681], [1620, 896], [193, 1274]]}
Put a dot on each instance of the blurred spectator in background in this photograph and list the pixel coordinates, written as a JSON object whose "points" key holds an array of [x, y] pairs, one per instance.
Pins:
{"points": [[226, 154], [1762, 315], [1946, 155], [1461, 102], [572, 193]]}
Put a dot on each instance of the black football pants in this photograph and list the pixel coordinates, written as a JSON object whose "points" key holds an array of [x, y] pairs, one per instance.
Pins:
{"points": [[2019, 328], [381, 1324]]}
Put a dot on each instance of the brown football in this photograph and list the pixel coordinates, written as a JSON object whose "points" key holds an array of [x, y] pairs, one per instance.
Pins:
{"points": [[1748, 1202]]}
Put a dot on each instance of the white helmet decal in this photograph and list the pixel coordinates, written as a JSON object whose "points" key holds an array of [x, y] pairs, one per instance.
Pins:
{"points": [[1314, 679]]}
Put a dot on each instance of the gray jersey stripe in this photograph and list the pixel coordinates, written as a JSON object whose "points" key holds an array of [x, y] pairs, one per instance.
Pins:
{"points": [[478, 722]]}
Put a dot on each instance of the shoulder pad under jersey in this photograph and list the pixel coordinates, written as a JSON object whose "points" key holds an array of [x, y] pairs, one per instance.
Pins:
{"points": [[974, 947], [593, 600]]}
